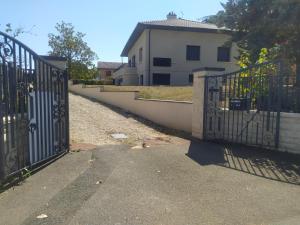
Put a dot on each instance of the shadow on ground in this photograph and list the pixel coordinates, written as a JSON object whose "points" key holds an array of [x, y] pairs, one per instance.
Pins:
{"points": [[279, 166]]}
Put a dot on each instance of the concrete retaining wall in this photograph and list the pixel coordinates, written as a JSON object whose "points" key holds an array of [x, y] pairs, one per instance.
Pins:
{"points": [[171, 114]]}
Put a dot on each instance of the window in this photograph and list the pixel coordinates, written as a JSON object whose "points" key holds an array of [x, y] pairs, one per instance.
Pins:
{"points": [[108, 73], [141, 79], [223, 54], [166, 62], [141, 55], [133, 61], [161, 79], [129, 63], [191, 78], [192, 52]]}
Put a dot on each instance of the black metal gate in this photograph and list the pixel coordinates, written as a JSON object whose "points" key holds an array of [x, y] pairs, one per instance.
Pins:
{"points": [[244, 106], [34, 125]]}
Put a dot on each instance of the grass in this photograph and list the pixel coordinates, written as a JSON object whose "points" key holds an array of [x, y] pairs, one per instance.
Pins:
{"points": [[161, 92]]}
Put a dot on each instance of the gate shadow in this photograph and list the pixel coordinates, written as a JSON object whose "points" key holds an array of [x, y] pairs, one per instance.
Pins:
{"points": [[273, 165]]}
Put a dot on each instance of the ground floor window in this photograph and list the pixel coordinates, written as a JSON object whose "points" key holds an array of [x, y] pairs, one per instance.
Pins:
{"points": [[141, 79], [161, 79]]}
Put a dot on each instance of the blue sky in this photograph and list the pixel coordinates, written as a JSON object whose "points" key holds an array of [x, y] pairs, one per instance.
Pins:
{"points": [[107, 23]]}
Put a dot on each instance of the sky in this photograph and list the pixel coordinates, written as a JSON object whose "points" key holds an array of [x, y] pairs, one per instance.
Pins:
{"points": [[106, 23]]}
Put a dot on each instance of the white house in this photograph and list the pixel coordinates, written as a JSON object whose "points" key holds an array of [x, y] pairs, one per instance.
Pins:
{"points": [[165, 52]]}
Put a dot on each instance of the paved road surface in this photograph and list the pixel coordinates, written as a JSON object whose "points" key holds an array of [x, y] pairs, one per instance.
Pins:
{"points": [[167, 184], [172, 182]]}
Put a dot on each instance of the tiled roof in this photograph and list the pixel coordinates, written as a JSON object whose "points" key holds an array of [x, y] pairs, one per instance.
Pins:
{"points": [[108, 65], [176, 24], [182, 23]]}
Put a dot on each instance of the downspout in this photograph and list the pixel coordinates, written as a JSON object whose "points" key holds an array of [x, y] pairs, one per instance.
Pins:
{"points": [[149, 59]]}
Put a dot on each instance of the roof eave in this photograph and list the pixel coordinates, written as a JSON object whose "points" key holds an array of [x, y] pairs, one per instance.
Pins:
{"points": [[140, 27], [138, 30]]}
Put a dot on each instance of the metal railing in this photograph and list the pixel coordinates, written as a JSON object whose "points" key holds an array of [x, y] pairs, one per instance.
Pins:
{"points": [[244, 106]]}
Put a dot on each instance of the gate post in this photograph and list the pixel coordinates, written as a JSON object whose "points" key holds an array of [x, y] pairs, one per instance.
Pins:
{"points": [[199, 95], [198, 103]]}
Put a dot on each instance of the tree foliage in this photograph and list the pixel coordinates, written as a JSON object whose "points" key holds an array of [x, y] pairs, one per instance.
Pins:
{"points": [[261, 24], [81, 71], [70, 44], [16, 32]]}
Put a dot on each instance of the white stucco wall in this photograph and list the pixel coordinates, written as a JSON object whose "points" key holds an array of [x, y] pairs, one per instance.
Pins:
{"points": [[141, 67], [289, 135], [171, 114]]}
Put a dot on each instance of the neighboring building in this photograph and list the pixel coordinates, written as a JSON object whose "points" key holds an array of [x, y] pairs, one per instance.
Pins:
{"points": [[60, 62], [165, 52], [106, 69]]}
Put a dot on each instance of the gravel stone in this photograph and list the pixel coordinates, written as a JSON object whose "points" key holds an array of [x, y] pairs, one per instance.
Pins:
{"points": [[94, 123]]}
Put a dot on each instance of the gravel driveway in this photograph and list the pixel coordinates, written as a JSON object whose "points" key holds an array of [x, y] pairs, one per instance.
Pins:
{"points": [[93, 123]]}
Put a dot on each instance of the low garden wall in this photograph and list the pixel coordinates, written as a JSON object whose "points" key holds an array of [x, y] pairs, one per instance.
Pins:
{"points": [[289, 132], [184, 116], [170, 114]]}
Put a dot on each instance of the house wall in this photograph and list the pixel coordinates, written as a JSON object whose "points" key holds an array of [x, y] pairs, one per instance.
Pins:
{"points": [[102, 74], [172, 44], [171, 114], [141, 67]]}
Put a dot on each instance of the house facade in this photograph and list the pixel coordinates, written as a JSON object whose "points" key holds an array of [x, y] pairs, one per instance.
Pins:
{"points": [[106, 69], [166, 52]]}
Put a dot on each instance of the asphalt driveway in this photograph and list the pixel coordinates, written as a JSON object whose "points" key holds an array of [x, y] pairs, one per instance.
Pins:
{"points": [[195, 183]]}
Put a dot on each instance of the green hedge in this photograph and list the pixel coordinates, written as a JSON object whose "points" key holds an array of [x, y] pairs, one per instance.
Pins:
{"points": [[93, 82]]}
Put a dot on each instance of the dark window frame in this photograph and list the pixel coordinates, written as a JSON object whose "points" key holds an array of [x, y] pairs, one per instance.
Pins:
{"points": [[166, 82], [140, 54], [141, 79], [162, 62], [191, 78], [224, 56], [193, 52], [108, 73], [133, 61]]}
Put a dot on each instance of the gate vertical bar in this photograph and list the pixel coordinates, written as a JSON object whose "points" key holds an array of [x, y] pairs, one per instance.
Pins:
{"points": [[205, 106], [1, 125], [279, 94], [67, 127]]}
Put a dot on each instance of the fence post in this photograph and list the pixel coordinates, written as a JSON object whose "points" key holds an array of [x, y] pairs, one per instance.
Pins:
{"points": [[198, 104], [199, 99]]}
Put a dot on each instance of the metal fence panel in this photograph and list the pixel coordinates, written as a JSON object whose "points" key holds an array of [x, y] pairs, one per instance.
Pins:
{"points": [[244, 106], [33, 110]]}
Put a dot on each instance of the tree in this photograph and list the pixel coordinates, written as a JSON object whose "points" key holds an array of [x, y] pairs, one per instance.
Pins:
{"points": [[81, 71], [70, 44], [15, 32], [261, 24]]}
